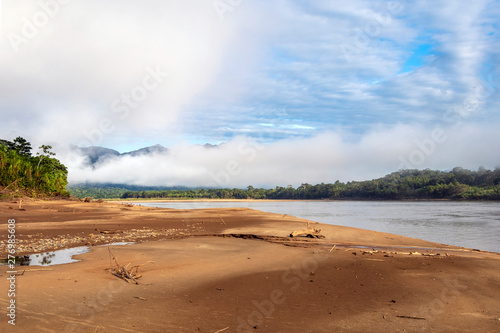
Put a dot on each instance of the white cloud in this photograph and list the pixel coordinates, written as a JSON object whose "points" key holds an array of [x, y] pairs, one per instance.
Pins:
{"points": [[326, 157], [92, 52]]}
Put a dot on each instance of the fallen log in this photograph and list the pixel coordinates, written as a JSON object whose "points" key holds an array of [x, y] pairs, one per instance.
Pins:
{"points": [[312, 233]]}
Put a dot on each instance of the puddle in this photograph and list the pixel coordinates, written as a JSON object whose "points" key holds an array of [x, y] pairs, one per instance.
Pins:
{"points": [[118, 243], [399, 248], [58, 257]]}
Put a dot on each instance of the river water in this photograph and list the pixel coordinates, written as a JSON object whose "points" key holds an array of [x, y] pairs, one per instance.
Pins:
{"points": [[469, 224]]}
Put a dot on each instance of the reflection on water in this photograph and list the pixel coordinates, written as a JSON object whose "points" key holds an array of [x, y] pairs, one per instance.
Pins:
{"points": [[469, 224], [19, 261]]}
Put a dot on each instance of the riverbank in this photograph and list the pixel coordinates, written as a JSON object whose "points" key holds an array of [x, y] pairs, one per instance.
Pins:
{"points": [[237, 269], [138, 200], [133, 200]]}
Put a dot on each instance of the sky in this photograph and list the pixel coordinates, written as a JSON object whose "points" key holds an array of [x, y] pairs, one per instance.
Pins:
{"points": [[295, 91]]}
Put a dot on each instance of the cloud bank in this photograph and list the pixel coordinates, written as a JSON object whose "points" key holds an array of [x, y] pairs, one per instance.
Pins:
{"points": [[326, 157]]}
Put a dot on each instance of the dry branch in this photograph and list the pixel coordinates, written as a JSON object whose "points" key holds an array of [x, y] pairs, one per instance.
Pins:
{"points": [[410, 317], [123, 272], [221, 219], [222, 330]]}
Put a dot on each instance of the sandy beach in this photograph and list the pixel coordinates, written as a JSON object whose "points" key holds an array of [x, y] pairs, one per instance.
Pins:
{"points": [[237, 270]]}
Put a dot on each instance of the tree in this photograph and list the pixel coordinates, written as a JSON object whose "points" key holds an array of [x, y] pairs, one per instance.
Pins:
{"points": [[21, 171], [22, 146], [46, 151]]}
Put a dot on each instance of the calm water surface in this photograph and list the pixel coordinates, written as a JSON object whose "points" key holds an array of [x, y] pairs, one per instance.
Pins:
{"points": [[469, 224]]}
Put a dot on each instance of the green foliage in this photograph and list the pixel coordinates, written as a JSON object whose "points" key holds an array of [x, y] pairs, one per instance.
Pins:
{"points": [[113, 191], [98, 192], [458, 184], [34, 175], [19, 144]]}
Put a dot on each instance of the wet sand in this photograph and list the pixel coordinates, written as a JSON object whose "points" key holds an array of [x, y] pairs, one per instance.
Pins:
{"points": [[237, 270]]}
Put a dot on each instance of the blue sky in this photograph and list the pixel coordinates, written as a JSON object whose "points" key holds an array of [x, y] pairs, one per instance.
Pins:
{"points": [[418, 56], [280, 72]]}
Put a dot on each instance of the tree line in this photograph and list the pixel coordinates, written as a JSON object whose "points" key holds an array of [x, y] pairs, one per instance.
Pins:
{"points": [[458, 184], [113, 191], [31, 175]]}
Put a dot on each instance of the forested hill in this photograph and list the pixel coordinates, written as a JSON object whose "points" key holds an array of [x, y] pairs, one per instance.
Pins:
{"points": [[22, 174], [458, 184]]}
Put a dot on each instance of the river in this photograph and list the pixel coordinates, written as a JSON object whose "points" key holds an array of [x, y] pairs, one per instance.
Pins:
{"points": [[469, 224]]}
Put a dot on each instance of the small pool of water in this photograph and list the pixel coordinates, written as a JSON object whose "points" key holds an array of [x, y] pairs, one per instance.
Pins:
{"points": [[118, 243], [58, 257]]}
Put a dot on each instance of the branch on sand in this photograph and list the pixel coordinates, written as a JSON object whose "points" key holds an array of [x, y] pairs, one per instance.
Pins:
{"points": [[309, 232], [221, 219], [411, 317], [129, 275]]}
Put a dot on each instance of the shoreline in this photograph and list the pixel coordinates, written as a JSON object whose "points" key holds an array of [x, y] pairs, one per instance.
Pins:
{"points": [[202, 200], [241, 266], [126, 205], [288, 200]]}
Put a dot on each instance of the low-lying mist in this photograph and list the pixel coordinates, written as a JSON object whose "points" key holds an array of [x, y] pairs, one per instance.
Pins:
{"points": [[324, 158]]}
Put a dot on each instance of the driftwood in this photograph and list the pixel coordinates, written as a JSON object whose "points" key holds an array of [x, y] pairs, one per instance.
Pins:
{"points": [[222, 330], [123, 272], [411, 317], [308, 232], [312, 233]]}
